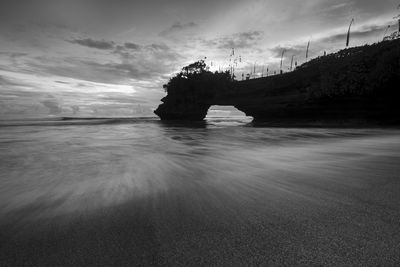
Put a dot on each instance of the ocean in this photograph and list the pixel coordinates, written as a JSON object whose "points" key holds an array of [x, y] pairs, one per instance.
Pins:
{"points": [[138, 191]]}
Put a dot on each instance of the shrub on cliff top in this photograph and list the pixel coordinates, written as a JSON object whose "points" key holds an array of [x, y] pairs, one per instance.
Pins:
{"points": [[195, 82]]}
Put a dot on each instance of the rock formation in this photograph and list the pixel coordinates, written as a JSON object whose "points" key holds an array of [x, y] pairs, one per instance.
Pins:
{"points": [[356, 84]]}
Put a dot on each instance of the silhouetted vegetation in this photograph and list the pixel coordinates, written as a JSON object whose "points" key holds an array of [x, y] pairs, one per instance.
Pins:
{"points": [[195, 81]]}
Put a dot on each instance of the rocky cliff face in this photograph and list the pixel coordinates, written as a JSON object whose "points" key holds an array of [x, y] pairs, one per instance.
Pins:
{"points": [[360, 83]]}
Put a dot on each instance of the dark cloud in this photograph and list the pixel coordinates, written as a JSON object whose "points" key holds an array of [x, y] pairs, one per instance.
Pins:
{"points": [[53, 106], [13, 54], [178, 27], [62, 82], [132, 46], [243, 40], [98, 44], [126, 49], [159, 47]]}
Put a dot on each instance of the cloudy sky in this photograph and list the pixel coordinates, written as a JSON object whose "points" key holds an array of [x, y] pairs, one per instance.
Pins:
{"points": [[111, 57]]}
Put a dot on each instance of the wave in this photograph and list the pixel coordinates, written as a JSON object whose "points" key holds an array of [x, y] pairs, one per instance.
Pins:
{"points": [[66, 121]]}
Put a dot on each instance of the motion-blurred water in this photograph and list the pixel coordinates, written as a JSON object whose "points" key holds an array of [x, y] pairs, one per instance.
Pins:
{"points": [[52, 167], [65, 168]]}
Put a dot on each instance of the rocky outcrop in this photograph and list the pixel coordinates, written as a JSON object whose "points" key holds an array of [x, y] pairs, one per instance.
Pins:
{"points": [[190, 111], [356, 84]]}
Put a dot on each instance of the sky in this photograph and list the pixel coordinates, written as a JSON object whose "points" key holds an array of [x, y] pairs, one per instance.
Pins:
{"points": [[110, 58]]}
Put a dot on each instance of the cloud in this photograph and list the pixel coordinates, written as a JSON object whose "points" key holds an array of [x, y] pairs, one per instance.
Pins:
{"points": [[128, 63], [47, 96], [243, 40], [147, 63], [75, 109], [102, 44], [151, 61], [364, 32], [13, 54], [159, 47], [295, 50], [128, 69], [127, 48], [178, 28], [88, 70], [53, 106], [326, 43], [119, 98], [132, 46], [6, 82]]}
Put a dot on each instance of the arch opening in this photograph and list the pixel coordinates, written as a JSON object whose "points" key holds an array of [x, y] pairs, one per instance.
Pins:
{"points": [[226, 113]]}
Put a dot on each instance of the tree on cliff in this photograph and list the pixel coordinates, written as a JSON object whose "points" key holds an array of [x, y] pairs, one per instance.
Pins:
{"points": [[197, 67], [196, 82]]}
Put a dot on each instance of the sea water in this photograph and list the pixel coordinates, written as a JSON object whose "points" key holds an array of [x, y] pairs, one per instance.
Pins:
{"points": [[225, 172]]}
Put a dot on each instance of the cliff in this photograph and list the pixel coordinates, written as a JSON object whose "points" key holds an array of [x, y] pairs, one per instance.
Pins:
{"points": [[355, 84]]}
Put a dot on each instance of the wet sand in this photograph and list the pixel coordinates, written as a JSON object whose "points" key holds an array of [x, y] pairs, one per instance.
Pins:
{"points": [[332, 203]]}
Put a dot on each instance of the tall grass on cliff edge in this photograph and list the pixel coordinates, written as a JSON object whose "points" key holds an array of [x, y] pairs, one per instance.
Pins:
{"points": [[348, 33]]}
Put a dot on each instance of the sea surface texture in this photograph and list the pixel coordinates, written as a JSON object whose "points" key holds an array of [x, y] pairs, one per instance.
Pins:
{"points": [[224, 192]]}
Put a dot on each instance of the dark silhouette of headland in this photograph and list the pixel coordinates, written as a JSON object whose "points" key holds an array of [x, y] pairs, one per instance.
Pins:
{"points": [[354, 85]]}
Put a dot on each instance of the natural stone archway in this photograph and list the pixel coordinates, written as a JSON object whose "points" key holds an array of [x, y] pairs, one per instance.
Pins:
{"points": [[356, 84]]}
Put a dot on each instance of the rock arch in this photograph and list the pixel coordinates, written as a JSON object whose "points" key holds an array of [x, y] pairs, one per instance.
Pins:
{"points": [[356, 84]]}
